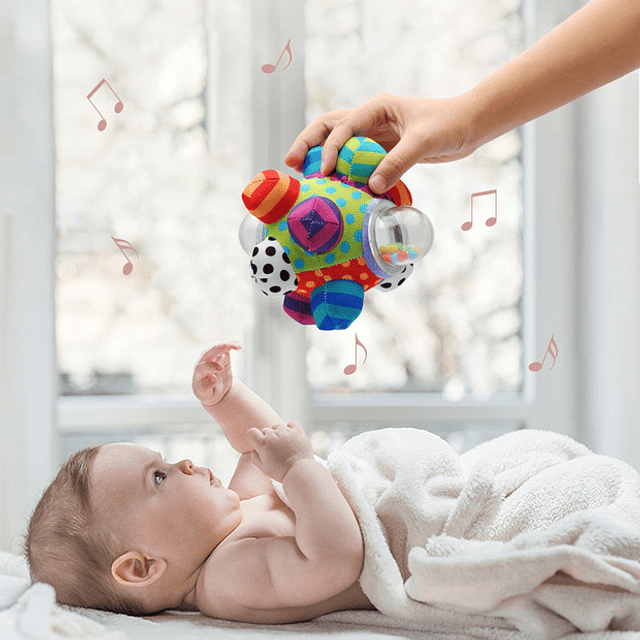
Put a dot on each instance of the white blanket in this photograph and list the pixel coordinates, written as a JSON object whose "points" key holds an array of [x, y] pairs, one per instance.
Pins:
{"points": [[530, 531]]}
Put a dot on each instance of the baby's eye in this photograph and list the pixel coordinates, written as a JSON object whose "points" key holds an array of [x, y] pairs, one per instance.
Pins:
{"points": [[158, 477]]}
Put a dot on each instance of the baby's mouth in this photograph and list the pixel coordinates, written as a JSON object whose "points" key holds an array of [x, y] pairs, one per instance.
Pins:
{"points": [[213, 480]]}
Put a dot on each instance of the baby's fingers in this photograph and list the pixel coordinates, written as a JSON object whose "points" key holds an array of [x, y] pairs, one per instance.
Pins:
{"points": [[205, 369], [220, 349], [254, 437]]}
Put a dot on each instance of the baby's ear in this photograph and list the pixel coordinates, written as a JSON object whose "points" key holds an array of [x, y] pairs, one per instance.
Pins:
{"points": [[134, 569]]}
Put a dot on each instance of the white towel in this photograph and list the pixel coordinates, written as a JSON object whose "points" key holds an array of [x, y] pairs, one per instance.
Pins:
{"points": [[30, 612], [529, 531]]}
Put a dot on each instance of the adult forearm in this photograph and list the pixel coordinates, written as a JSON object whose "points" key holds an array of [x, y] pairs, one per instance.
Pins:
{"points": [[239, 410], [327, 531], [596, 45]]}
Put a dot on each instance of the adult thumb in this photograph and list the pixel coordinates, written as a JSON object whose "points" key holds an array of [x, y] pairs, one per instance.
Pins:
{"points": [[393, 166]]}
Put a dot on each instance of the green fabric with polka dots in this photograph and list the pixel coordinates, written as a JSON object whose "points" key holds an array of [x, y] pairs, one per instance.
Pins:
{"points": [[352, 203]]}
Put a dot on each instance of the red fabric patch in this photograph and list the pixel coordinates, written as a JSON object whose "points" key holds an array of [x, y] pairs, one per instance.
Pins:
{"points": [[355, 270], [270, 195], [399, 194]]}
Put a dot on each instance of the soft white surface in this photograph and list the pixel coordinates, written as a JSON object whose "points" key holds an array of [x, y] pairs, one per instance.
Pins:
{"points": [[530, 530], [21, 605]]}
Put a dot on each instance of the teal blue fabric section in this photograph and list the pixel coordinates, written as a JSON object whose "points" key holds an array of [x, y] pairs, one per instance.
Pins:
{"points": [[336, 304], [312, 161]]}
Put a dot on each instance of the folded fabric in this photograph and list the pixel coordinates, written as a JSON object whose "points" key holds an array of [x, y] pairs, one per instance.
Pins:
{"points": [[530, 531]]}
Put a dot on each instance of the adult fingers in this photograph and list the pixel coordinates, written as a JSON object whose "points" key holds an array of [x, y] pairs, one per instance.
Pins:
{"points": [[312, 136], [357, 121], [402, 157]]}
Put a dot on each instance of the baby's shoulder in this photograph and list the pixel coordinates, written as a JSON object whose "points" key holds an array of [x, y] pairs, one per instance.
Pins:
{"points": [[223, 587], [236, 582]]}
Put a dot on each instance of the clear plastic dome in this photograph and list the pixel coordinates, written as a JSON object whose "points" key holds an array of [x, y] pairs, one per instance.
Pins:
{"points": [[251, 233], [398, 236]]}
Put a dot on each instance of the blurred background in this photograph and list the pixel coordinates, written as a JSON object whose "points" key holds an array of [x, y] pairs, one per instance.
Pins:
{"points": [[93, 354]]}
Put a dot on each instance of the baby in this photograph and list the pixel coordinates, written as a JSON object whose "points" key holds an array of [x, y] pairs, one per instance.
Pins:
{"points": [[122, 529]]}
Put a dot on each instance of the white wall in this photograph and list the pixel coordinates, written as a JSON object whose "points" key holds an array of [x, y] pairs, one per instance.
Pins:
{"points": [[27, 366], [550, 247], [608, 225]]}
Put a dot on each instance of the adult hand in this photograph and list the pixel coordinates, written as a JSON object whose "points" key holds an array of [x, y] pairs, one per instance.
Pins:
{"points": [[411, 130]]}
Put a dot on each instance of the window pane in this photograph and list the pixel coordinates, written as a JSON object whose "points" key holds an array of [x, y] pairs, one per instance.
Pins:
{"points": [[156, 191], [455, 326]]}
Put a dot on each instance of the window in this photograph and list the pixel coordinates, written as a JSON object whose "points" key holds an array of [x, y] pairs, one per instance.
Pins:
{"points": [[149, 171], [446, 349], [455, 327], [149, 268], [158, 191]]}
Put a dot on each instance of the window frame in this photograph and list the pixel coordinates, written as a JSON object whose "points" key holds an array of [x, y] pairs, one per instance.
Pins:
{"points": [[28, 386]]}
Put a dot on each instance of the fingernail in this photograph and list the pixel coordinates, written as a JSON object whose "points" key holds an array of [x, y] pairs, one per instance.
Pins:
{"points": [[377, 183]]}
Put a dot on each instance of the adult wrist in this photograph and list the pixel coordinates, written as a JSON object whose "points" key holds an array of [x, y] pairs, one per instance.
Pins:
{"points": [[477, 113]]}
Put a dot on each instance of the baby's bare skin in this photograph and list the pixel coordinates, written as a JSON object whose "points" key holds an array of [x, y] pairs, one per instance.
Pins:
{"points": [[280, 564], [238, 552], [233, 584]]}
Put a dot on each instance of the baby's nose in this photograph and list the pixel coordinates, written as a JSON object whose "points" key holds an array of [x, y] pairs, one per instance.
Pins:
{"points": [[186, 466]]}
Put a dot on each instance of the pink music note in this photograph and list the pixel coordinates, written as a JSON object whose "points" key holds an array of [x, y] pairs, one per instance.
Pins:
{"points": [[491, 220], [536, 366], [351, 368], [269, 68], [102, 125], [122, 245]]}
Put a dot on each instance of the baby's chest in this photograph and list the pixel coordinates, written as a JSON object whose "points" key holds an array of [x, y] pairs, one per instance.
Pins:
{"points": [[266, 517]]}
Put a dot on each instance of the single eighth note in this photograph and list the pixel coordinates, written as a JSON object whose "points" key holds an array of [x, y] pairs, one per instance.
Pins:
{"points": [[536, 366], [269, 68], [122, 245], [352, 368]]}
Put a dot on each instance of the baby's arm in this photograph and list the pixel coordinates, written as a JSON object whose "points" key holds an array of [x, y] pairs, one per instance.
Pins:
{"points": [[327, 532], [230, 402], [325, 556]]}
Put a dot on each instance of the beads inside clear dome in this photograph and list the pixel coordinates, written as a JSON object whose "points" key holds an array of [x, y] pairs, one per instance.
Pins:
{"points": [[399, 235]]}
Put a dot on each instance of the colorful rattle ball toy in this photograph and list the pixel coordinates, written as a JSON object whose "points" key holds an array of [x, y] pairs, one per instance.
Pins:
{"points": [[322, 241]]}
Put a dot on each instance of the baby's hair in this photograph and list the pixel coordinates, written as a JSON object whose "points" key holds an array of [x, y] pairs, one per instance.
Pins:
{"points": [[69, 549]]}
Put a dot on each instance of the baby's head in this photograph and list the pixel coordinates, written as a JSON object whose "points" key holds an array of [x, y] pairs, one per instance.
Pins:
{"points": [[121, 529]]}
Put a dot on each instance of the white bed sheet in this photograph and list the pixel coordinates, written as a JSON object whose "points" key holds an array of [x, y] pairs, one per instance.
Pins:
{"points": [[28, 612]]}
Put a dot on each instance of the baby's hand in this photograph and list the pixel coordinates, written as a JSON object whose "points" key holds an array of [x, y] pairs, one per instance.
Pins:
{"points": [[212, 377], [277, 449]]}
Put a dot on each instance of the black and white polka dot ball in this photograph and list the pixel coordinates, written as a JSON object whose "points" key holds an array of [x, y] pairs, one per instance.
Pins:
{"points": [[393, 282], [271, 269]]}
